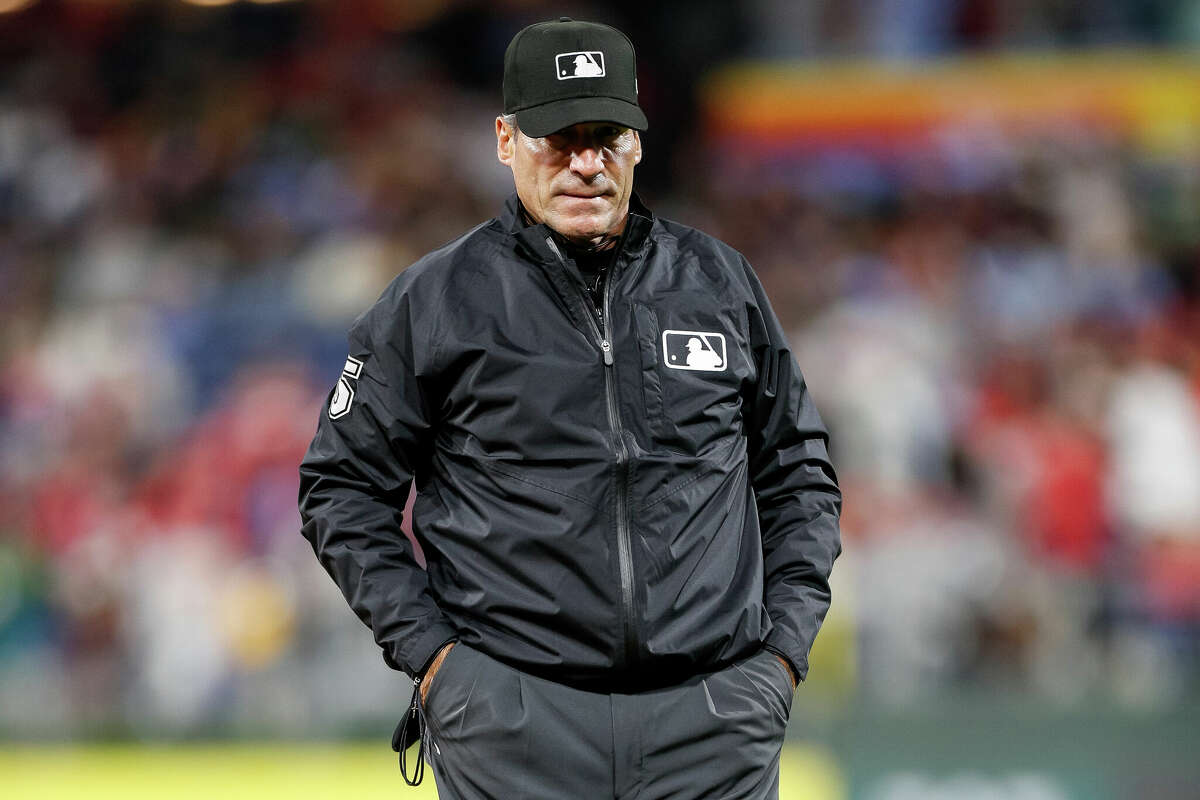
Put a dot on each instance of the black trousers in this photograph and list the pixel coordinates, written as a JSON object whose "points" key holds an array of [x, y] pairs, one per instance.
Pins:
{"points": [[497, 733]]}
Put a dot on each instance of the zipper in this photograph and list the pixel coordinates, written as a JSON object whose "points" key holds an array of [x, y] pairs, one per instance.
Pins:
{"points": [[621, 467], [624, 547]]}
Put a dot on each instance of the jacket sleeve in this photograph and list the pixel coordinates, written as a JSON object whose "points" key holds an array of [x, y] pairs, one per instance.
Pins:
{"points": [[372, 438], [799, 502]]}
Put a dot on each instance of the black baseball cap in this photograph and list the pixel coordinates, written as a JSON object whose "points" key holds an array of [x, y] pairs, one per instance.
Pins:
{"points": [[564, 72]]}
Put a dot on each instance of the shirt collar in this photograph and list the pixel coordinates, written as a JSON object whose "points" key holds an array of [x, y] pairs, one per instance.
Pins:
{"points": [[513, 218]]}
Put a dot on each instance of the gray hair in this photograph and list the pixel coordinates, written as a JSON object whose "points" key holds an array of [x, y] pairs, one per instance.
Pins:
{"points": [[510, 120]]}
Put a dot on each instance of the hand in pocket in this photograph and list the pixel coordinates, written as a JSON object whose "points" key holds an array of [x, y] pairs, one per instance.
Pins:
{"points": [[434, 666]]}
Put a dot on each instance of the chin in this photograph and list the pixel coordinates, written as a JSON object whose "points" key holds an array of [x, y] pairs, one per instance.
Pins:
{"points": [[587, 228]]}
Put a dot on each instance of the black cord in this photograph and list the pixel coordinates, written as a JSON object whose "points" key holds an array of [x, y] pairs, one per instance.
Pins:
{"points": [[410, 731]]}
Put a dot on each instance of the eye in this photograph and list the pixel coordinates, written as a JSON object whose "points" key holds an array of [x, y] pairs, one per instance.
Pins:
{"points": [[609, 133]]}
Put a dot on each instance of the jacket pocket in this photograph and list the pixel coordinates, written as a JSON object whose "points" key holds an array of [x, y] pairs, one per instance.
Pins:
{"points": [[439, 678], [764, 673], [652, 388], [692, 369]]}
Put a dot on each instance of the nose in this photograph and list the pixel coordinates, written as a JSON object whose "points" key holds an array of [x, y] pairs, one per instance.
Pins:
{"points": [[587, 162]]}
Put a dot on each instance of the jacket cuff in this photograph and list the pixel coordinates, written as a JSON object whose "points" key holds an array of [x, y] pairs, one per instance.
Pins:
{"points": [[418, 652], [790, 650], [433, 655]]}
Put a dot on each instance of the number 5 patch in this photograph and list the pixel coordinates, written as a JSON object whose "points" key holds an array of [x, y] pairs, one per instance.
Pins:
{"points": [[343, 393]]}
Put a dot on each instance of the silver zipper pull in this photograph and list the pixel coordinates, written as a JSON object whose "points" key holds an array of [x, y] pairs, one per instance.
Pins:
{"points": [[606, 346]]}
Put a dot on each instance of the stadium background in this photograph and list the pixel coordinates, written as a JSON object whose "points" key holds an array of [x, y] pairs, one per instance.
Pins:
{"points": [[980, 221]]}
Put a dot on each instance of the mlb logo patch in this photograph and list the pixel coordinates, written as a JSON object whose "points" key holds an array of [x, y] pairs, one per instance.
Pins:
{"points": [[580, 64], [703, 351]]}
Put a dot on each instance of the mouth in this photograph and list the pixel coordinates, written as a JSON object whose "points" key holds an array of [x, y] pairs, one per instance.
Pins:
{"points": [[584, 195]]}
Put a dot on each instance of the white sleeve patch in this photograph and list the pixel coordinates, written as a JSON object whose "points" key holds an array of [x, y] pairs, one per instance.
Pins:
{"points": [[343, 396], [343, 393]]}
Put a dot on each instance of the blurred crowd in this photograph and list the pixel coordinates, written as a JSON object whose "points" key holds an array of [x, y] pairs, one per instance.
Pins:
{"points": [[1010, 368], [1003, 334]]}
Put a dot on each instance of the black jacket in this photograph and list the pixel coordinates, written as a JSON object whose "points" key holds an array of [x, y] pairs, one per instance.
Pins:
{"points": [[612, 498]]}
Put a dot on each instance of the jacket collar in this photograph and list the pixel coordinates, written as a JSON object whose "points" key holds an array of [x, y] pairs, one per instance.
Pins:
{"points": [[534, 237]]}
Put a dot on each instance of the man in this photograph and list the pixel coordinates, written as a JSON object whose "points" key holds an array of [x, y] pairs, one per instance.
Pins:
{"points": [[627, 546]]}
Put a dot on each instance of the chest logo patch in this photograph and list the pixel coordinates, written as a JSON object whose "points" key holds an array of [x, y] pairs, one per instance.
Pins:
{"points": [[701, 351]]}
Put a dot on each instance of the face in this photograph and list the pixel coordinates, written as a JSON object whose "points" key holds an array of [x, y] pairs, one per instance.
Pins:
{"points": [[577, 180]]}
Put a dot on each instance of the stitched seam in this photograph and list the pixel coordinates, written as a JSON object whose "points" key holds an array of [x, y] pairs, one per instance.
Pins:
{"points": [[462, 720], [572, 97], [678, 488], [540, 485], [439, 330]]}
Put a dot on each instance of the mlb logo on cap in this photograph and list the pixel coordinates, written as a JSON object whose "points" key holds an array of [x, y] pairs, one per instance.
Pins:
{"points": [[580, 64]]}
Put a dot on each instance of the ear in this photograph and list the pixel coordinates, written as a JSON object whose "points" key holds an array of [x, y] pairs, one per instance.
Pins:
{"points": [[506, 142], [637, 147]]}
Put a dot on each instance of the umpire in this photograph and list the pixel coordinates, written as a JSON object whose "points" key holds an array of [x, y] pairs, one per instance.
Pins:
{"points": [[624, 494]]}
